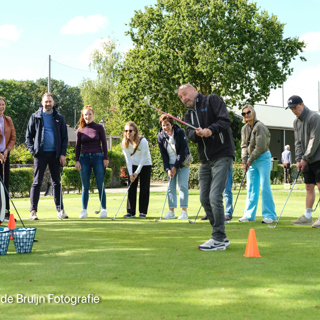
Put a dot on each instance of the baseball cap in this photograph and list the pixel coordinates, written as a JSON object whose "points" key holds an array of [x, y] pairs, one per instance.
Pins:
{"points": [[293, 101]]}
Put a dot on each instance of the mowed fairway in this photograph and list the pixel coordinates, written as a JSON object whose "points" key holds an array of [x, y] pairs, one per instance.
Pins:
{"points": [[142, 269]]}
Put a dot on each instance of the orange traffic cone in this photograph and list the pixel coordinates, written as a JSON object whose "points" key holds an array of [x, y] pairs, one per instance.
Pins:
{"points": [[11, 223], [252, 246]]}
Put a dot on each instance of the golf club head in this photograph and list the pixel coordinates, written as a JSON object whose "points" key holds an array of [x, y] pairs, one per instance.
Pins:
{"points": [[114, 218], [190, 221], [271, 226], [97, 212], [157, 220], [147, 101]]}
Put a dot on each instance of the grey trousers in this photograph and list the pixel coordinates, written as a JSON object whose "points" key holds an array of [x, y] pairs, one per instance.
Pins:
{"points": [[213, 177]]}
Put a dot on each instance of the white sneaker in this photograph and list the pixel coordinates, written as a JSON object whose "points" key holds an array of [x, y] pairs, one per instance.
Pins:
{"points": [[183, 215], [103, 214], [268, 220], [244, 219], [62, 215], [169, 215], [212, 245], [83, 214]]}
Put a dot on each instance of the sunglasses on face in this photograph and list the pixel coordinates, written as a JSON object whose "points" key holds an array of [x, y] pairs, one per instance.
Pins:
{"points": [[128, 131], [245, 113]]}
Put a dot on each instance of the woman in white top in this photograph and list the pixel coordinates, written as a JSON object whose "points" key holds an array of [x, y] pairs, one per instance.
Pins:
{"points": [[138, 159]]}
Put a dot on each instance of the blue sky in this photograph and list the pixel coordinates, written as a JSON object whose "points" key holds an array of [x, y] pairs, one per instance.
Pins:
{"points": [[68, 30]]}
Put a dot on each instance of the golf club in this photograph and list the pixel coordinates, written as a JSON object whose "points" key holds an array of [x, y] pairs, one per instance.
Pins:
{"points": [[165, 200], [234, 207], [121, 202], [147, 102], [60, 211], [97, 212], [7, 192], [294, 182], [316, 206], [190, 221]]}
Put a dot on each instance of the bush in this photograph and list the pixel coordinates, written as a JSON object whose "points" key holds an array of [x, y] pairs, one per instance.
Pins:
{"points": [[20, 154], [194, 176], [71, 156], [20, 181]]}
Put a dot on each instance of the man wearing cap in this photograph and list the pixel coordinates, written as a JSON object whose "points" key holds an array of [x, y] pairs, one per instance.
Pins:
{"points": [[286, 161], [307, 146]]}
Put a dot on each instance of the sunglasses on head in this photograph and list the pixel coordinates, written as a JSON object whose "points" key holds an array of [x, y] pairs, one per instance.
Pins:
{"points": [[128, 131], [245, 113]]}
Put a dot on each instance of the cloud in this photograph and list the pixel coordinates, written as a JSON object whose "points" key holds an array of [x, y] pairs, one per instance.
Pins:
{"points": [[312, 40], [304, 84], [9, 32], [86, 55], [19, 73], [81, 25]]}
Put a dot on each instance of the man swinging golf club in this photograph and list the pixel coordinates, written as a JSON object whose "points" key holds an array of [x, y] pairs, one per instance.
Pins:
{"points": [[307, 147], [216, 153]]}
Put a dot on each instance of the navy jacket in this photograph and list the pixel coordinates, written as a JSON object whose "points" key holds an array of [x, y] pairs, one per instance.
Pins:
{"points": [[211, 112], [181, 144], [35, 133]]}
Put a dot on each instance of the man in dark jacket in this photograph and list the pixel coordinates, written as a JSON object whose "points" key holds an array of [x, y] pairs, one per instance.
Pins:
{"points": [[47, 140], [216, 152]]}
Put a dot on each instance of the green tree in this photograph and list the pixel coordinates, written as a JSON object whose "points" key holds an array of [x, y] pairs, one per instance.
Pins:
{"points": [[101, 93], [226, 47]]}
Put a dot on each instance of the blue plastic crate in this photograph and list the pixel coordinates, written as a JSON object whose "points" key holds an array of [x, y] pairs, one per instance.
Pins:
{"points": [[23, 239], [4, 240]]}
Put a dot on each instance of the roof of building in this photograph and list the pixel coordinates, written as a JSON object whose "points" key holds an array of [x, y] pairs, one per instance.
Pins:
{"points": [[273, 117]]}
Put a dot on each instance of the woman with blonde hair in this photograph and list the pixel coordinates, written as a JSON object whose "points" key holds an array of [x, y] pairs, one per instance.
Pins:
{"points": [[136, 151], [256, 161], [91, 154]]}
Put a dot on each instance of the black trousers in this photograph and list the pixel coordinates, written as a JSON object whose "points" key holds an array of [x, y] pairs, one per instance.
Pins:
{"points": [[40, 165], [287, 172], [144, 177], [5, 178]]}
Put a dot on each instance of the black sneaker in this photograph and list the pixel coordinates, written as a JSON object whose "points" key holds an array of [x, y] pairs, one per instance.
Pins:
{"points": [[129, 215], [204, 218]]}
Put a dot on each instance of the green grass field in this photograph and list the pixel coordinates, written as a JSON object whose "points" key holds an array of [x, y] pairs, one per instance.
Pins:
{"points": [[142, 269]]}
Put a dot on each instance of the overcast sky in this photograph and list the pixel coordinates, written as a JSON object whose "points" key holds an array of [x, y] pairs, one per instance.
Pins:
{"points": [[69, 30]]}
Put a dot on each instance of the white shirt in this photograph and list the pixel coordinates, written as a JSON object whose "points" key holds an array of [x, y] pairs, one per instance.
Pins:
{"points": [[172, 153], [141, 157]]}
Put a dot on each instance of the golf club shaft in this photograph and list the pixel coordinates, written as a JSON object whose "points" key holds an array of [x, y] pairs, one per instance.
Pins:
{"points": [[122, 200], [239, 191], [294, 182], [196, 215], [170, 116], [165, 200], [12, 201]]}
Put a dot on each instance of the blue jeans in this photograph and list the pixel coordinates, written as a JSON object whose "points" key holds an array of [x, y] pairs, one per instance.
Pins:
{"points": [[259, 175], [182, 174], [93, 161], [228, 197], [213, 179]]}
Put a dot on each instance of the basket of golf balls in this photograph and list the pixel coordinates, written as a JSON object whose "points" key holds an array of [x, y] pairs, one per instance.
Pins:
{"points": [[23, 239], [4, 240]]}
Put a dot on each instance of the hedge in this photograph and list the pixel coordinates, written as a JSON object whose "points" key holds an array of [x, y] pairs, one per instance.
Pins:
{"points": [[20, 181]]}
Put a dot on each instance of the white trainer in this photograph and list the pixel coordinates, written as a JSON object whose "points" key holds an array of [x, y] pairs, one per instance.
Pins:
{"points": [[268, 220], [62, 215], [83, 214], [169, 215], [183, 215], [103, 214], [212, 245], [244, 219]]}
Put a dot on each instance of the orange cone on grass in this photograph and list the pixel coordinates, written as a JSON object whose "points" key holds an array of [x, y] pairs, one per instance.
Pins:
{"points": [[252, 246], [11, 223]]}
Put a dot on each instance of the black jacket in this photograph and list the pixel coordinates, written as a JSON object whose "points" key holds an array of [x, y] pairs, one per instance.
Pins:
{"points": [[35, 133], [181, 144], [211, 112]]}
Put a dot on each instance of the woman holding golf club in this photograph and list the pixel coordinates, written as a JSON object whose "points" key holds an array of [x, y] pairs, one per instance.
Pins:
{"points": [[138, 159], [256, 161], [7, 142], [91, 153], [174, 149]]}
